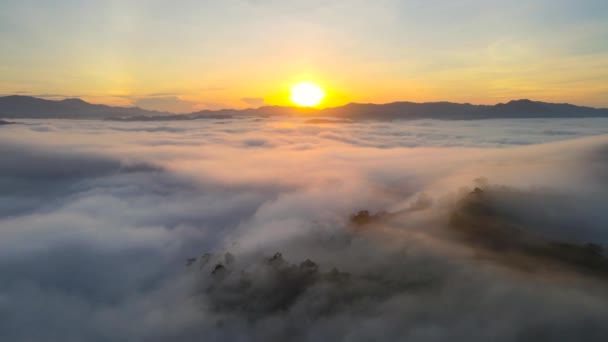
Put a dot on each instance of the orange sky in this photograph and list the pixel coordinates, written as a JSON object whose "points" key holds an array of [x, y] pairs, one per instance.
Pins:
{"points": [[201, 55]]}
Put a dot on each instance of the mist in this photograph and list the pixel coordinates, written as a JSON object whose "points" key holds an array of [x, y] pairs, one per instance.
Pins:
{"points": [[280, 229]]}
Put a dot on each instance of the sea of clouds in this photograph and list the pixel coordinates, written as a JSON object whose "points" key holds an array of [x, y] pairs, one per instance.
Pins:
{"points": [[170, 231]]}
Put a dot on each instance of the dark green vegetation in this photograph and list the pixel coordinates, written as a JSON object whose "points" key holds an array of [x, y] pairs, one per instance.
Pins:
{"points": [[482, 219], [275, 285]]}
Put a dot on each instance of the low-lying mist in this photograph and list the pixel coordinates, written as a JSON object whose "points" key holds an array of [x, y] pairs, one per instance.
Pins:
{"points": [[270, 230]]}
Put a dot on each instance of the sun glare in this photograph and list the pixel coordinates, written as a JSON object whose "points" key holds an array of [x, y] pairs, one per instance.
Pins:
{"points": [[306, 94]]}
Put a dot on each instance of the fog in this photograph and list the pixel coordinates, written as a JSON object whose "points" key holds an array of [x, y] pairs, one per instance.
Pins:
{"points": [[254, 230]]}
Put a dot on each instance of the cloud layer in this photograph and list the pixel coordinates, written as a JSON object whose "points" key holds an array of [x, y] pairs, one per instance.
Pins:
{"points": [[98, 221]]}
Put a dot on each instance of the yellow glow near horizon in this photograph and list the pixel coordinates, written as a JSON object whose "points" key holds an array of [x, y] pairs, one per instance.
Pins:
{"points": [[306, 94]]}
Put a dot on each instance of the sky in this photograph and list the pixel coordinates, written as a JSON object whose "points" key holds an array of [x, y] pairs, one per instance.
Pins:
{"points": [[191, 55]]}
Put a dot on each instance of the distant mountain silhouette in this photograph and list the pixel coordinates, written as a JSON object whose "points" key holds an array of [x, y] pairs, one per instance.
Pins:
{"points": [[27, 107], [407, 111], [31, 107], [458, 111]]}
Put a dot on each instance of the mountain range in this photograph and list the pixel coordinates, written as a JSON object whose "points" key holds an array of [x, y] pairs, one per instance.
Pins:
{"points": [[22, 107]]}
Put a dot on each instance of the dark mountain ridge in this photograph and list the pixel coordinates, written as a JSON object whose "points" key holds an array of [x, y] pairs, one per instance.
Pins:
{"points": [[31, 107], [27, 107]]}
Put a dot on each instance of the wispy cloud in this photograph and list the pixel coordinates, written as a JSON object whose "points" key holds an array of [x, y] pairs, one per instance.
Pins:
{"points": [[166, 103], [254, 101]]}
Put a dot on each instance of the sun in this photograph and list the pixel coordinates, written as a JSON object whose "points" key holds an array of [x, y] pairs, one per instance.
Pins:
{"points": [[306, 94]]}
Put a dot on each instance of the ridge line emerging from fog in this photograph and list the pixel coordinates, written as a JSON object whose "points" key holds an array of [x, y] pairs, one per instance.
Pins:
{"points": [[18, 106]]}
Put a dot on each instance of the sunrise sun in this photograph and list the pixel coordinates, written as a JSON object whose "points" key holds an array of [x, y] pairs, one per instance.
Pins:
{"points": [[306, 94]]}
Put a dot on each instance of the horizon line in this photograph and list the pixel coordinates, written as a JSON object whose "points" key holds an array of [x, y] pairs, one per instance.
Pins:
{"points": [[313, 108]]}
